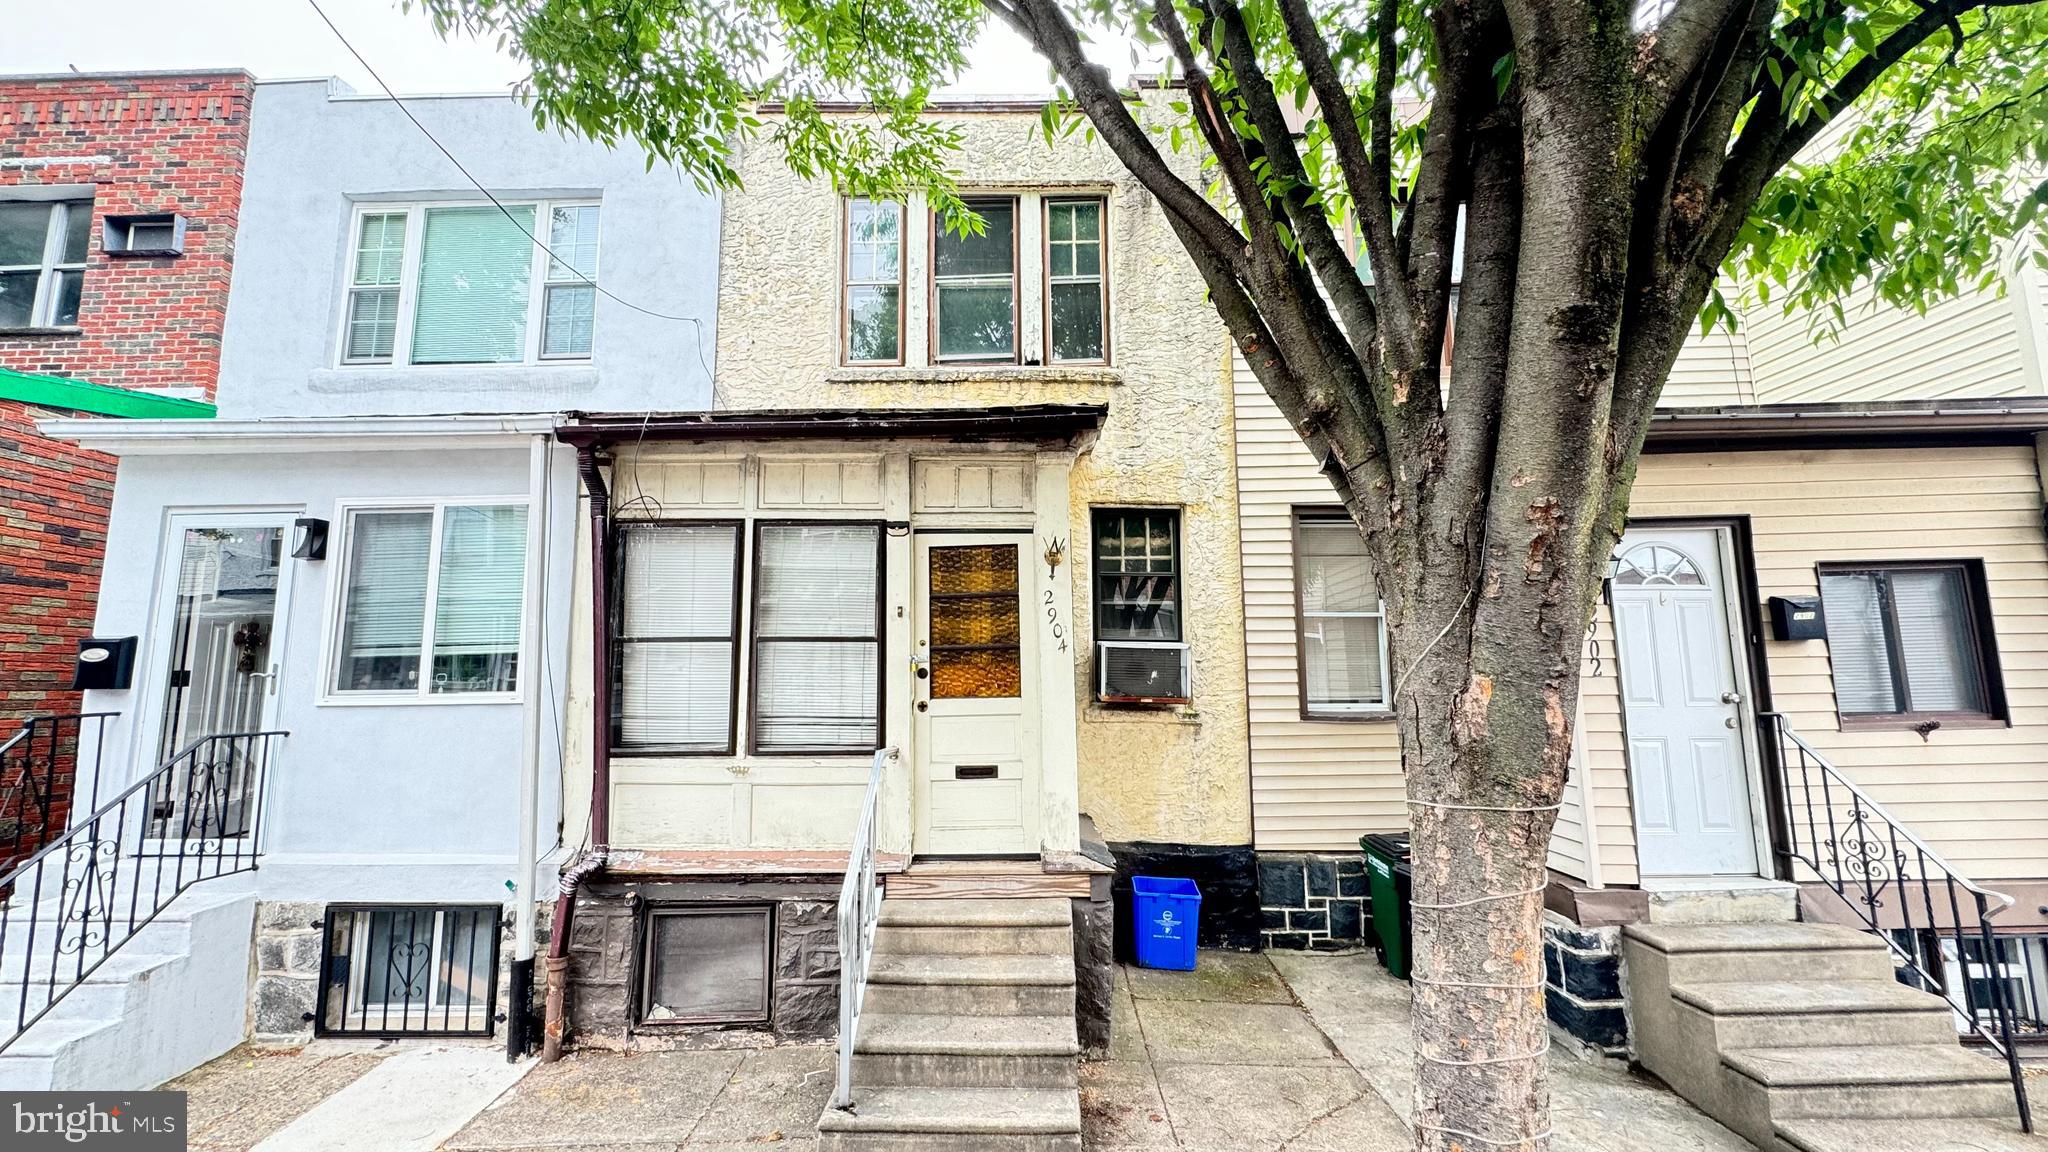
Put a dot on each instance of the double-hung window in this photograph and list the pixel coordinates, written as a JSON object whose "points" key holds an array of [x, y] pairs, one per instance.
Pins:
{"points": [[431, 601], [1343, 634], [443, 284], [974, 286], [873, 292], [42, 261], [1076, 291], [1910, 642], [811, 594]]}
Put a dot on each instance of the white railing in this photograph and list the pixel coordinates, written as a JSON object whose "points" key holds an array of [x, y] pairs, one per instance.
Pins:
{"points": [[860, 902]]}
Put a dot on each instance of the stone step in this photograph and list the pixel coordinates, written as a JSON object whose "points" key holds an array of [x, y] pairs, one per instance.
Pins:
{"points": [[1720, 902], [1825, 1013], [949, 985], [925, 1051], [1952, 1135], [962, 1119], [984, 940], [1731, 953], [1916, 1081], [1036, 912]]}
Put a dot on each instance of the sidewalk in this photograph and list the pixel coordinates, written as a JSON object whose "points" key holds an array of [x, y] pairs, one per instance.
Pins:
{"points": [[1296, 1052]]}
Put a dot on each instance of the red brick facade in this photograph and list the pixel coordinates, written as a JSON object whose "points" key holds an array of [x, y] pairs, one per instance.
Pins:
{"points": [[144, 145]]}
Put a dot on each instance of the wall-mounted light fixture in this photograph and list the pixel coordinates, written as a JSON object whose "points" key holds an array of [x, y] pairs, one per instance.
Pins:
{"points": [[309, 538]]}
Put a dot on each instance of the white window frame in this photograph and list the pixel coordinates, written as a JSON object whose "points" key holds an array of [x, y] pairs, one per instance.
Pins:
{"points": [[1303, 618], [537, 281], [54, 235], [345, 512]]}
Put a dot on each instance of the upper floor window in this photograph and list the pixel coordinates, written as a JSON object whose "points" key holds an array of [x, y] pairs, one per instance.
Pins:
{"points": [[1910, 642], [468, 284], [974, 286], [42, 261], [874, 282], [1076, 291]]}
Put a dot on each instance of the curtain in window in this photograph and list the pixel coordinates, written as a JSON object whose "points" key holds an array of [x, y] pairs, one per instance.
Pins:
{"points": [[384, 614], [475, 269], [1341, 619], [817, 638], [676, 646], [1935, 644], [477, 599], [1856, 643]]}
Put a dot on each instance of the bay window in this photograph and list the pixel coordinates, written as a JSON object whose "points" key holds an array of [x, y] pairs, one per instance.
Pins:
{"points": [[445, 284], [1341, 624], [42, 261], [431, 601]]}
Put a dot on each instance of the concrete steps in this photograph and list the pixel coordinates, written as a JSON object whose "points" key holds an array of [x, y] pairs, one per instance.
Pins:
{"points": [[1949, 1135], [1800, 1038], [966, 1038]]}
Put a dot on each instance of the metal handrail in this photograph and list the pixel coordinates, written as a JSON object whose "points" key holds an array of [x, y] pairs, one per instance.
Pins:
{"points": [[34, 763], [1868, 856], [201, 809], [860, 903]]}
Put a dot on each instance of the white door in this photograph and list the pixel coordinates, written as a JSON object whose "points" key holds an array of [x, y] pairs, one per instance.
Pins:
{"points": [[974, 724], [1681, 706]]}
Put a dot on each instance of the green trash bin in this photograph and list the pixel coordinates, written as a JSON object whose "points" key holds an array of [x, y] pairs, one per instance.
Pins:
{"points": [[1388, 879]]}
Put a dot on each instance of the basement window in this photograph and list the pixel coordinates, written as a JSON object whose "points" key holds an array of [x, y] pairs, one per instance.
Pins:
{"points": [[156, 234], [706, 964], [408, 970]]}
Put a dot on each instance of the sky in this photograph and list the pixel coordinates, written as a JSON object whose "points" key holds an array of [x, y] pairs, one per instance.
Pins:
{"points": [[284, 39]]}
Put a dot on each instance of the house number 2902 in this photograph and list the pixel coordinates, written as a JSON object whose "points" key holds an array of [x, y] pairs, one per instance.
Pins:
{"points": [[1052, 616]]}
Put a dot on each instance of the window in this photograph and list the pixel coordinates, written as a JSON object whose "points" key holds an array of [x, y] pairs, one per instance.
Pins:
{"points": [[1343, 636], [706, 964], [974, 286], [469, 564], [678, 636], [467, 284], [874, 282], [42, 261], [408, 970], [817, 638], [1076, 295], [159, 234], [1137, 574], [1910, 642]]}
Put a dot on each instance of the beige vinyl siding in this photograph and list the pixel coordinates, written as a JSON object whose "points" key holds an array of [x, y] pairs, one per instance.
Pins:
{"points": [[1969, 345], [1978, 795], [1712, 369], [1315, 784]]}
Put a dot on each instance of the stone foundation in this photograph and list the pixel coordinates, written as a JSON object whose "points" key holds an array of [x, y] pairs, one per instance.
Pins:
{"points": [[1314, 900], [1582, 981]]}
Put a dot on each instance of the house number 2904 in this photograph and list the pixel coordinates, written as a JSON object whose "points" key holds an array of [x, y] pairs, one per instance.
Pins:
{"points": [[1052, 616]]}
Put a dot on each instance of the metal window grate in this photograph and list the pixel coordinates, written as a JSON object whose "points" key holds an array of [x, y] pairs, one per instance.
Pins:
{"points": [[409, 970]]}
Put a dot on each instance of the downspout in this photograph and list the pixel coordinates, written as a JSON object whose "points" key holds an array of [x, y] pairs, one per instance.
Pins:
{"points": [[533, 630], [593, 861]]}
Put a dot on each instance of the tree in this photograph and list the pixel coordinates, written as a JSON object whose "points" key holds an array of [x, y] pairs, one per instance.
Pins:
{"points": [[1612, 165]]}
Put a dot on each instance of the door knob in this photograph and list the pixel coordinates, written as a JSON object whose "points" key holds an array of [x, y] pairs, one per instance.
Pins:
{"points": [[1731, 697]]}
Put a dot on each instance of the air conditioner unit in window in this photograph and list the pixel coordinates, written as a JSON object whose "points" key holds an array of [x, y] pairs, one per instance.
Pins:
{"points": [[1142, 672]]}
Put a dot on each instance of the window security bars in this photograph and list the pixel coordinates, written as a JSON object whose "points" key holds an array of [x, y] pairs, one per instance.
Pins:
{"points": [[86, 893], [409, 970], [1874, 863]]}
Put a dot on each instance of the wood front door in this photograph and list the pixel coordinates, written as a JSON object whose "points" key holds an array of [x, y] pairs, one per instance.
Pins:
{"points": [[1682, 705], [974, 725]]}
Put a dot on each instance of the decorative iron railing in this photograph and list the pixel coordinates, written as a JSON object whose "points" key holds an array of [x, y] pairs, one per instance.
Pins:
{"points": [[83, 895], [48, 769], [860, 903], [1902, 889], [408, 970]]}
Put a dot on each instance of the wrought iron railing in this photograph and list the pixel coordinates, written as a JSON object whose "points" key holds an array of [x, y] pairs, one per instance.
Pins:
{"points": [[47, 769], [1874, 863], [860, 903], [83, 895], [408, 970]]}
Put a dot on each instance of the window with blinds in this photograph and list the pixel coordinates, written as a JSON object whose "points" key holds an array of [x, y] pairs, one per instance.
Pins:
{"points": [[451, 284], [817, 638], [466, 563], [1910, 640], [678, 636], [1343, 634]]}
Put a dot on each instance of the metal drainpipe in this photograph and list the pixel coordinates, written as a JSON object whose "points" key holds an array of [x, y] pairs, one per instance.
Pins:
{"points": [[600, 753], [534, 637]]}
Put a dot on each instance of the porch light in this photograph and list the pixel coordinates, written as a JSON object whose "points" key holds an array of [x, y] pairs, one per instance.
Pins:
{"points": [[309, 538]]}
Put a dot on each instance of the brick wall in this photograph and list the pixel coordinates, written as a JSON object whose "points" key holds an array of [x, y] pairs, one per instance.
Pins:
{"points": [[146, 144], [53, 528]]}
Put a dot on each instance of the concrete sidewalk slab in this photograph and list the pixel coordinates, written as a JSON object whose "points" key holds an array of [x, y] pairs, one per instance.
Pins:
{"points": [[1208, 1032], [1225, 977], [644, 1098], [408, 1103], [234, 1102]]}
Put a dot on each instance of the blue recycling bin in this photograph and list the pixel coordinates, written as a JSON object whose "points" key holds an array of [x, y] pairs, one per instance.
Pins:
{"points": [[1165, 910]]}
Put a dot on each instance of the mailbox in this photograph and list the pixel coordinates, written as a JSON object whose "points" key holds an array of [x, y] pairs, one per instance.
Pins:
{"points": [[1798, 618], [105, 663]]}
